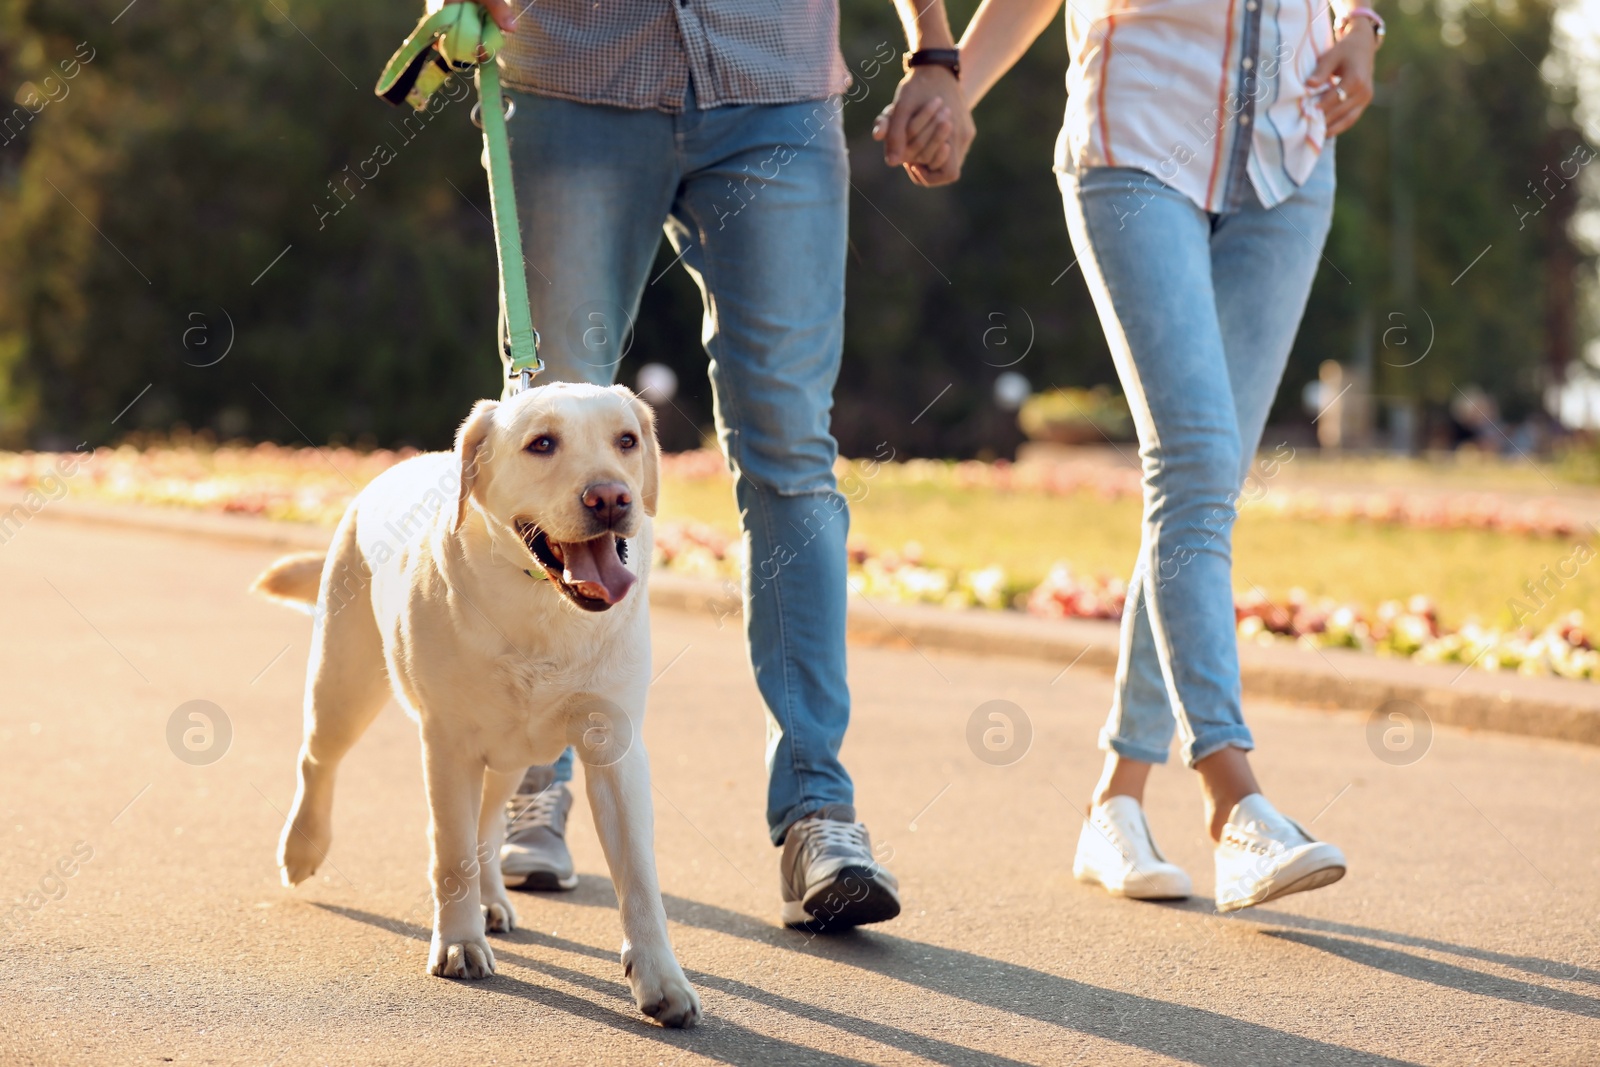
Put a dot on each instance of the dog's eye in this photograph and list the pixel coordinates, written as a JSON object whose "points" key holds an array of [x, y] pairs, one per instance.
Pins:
{"points": [[542, 444], [627, 441]]}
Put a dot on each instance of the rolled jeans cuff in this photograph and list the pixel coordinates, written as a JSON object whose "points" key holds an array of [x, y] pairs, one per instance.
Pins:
{"points": [[1215, 740], [1109, 742]]}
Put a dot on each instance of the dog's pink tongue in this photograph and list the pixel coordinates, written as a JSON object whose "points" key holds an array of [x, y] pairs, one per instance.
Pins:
{"points": [[593, 569]]}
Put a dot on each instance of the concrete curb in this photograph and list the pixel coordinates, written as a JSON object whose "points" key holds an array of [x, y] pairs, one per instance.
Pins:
{"points": [[1554, 708]]}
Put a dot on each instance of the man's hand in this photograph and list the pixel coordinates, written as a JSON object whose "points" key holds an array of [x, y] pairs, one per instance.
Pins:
{"points": [[1344, 76], [928, 127], [498, 10]]}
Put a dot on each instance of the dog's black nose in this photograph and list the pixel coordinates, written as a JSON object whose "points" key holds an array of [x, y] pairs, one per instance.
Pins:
{"points": [[609, 502]]}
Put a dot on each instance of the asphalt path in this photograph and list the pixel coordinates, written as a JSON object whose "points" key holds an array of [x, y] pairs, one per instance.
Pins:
{"points": [[146, 924]]}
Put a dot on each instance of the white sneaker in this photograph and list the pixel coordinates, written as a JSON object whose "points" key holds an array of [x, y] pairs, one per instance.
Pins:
{"points": [[1115, 851], [1264, 855]]}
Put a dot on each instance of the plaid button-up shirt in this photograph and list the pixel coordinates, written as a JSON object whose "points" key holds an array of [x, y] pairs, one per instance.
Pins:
{"points": [[643, 53]]}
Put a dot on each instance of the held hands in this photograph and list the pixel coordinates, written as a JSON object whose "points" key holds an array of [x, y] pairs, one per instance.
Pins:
{"points": [[927, 128], [1344, 76]]}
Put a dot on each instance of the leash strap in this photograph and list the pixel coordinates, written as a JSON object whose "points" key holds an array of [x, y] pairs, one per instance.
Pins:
{"points": [[457, 38], [519, 340]]}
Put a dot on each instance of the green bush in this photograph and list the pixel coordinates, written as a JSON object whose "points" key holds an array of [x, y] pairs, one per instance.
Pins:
{"points": [[1076, 416]]}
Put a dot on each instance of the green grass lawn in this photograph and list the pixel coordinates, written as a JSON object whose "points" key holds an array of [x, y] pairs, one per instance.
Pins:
{"points": [[1468, 573]]}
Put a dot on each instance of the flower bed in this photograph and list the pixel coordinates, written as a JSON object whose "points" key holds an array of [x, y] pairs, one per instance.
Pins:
{"points": [[1409, 630], [1539, 517], [315, 485]]}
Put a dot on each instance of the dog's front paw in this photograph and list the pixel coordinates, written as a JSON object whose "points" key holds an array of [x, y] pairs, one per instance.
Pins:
{"points": [[302, 848], [659, 987], [499, 917], [467, 957]]}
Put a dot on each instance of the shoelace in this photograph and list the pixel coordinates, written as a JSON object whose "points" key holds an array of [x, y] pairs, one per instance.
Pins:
{"points": [[1108, 829], [1267, 839], [532, 812], [826, 836]]}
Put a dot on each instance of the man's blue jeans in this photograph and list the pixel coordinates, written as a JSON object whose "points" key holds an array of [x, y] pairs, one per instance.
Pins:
{"points": [[753, 200], [1200, 311]]}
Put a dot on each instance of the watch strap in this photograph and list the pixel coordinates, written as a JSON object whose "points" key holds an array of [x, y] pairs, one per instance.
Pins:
{"points": [[949, 58]]}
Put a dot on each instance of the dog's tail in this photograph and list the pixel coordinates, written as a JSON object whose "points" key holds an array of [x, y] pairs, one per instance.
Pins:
{"points": [[293, 580]]}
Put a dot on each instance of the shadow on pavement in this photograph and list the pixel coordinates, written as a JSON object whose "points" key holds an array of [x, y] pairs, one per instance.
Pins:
{"points": [[1444, 974], [714, 1038], [1570, 972], [918, 1044], [1420, 968], [1193, 1035]]}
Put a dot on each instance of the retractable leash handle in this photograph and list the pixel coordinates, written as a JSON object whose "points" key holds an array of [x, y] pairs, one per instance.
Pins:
{"points": [[457, 38]]}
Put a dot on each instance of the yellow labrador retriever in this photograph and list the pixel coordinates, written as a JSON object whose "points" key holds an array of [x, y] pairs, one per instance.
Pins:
{"points": [[497, 592]]}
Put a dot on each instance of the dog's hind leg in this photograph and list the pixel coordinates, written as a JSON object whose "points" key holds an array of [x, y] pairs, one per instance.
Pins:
{"points": [[346, 687], [498, 914]]}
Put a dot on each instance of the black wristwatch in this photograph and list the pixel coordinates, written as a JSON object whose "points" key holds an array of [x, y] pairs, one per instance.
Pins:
{"points": [[949, 58]]}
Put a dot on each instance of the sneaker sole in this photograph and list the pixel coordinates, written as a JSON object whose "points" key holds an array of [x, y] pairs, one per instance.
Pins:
{"points": [[541, 882], [879, 904], [1314, 880], [1088, 877]]}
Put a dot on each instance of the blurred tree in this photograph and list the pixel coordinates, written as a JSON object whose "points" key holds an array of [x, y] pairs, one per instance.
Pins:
{"points": [[202, 184], [220, 178], [1451, 234]]}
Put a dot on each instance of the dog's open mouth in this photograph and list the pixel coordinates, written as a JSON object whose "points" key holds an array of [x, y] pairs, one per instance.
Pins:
{"points": [[589, 573]]}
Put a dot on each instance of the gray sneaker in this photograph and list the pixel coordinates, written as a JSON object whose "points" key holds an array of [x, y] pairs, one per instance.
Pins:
{"points": [[535, 854], [830, 879]]}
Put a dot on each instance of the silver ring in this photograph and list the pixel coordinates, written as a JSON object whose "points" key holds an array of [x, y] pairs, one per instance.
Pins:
{"points": [[477, 111], [1343, 96]]}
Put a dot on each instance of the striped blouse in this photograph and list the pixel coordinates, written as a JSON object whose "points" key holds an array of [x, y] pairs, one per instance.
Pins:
{"points": [[1209, 96]]}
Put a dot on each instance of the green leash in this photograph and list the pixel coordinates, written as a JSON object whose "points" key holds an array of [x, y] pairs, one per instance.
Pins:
{"points": [[458, 38]]}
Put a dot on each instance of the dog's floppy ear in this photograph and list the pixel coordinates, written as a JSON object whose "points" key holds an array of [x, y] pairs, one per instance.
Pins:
{"points": [[469, 451], [652, 454]]}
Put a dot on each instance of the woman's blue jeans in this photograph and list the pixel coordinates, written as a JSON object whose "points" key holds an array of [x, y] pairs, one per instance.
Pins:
{"points": [[1200, 311], [754, 200]]}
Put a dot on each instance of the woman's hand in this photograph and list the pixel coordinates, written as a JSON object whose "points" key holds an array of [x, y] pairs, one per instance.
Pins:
{"points": [[1344, 76], [927, 128], [1000, 31]]}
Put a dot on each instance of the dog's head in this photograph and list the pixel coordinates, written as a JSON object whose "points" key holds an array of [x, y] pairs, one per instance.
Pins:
{"points": [[574, 470]]}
